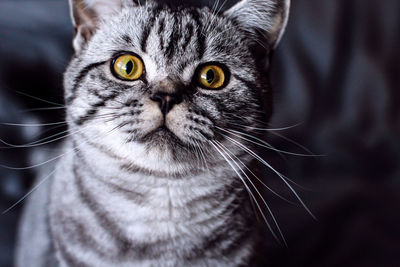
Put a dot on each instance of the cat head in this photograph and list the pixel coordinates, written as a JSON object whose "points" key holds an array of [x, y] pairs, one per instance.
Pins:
{"points": [[152, 83]]}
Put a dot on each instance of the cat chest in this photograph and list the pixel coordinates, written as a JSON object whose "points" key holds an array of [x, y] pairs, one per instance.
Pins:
{"points": [[118, 228]]}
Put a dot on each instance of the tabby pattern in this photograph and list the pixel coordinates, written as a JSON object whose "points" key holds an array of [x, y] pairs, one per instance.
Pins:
{"points": [[144, 185]]}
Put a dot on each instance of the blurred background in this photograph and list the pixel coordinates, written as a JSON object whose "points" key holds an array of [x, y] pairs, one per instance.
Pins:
{"points": [[336, 77]]}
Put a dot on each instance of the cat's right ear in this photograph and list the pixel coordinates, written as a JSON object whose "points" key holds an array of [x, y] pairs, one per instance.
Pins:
{"points": [[85, 15], [265, 17]]}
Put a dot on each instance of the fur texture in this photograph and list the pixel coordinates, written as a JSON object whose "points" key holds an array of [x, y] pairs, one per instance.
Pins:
{"points": [[140, 187]]}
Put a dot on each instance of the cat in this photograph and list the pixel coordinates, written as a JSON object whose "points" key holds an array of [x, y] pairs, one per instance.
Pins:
{"points": [[152, 172]]}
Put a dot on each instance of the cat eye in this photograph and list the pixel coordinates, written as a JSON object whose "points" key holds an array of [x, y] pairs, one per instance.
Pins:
{"points": [[127, 67], [212, 76]]}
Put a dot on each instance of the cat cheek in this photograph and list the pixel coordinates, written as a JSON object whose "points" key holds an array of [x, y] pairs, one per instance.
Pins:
{"points": [[151, 116], [176, 119]]}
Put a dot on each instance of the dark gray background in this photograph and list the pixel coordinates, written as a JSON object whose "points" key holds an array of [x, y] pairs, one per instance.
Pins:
{"points": [[336, 72]]}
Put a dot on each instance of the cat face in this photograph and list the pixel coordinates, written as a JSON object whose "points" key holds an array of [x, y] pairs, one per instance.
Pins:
{"points": [[152, 83]]}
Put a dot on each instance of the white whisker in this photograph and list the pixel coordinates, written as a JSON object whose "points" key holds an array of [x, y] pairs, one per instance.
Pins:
{"points": [[248, 190], [258, 192], [293, 142], [32, 124], [275, 171], [49, 175], [263, 143], [269, 129], [266, 186], [40, 99], [30, 191], [57, 157]]}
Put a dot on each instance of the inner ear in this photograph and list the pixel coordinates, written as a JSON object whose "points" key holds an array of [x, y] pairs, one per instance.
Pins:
{"points": [[267, 18], [86, 14]]}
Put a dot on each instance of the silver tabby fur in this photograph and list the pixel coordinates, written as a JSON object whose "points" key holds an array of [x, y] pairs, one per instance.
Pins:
{"points": [[136, 187]]}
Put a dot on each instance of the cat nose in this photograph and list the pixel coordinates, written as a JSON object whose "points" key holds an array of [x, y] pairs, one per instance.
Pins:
{"points": [[166, 101]]}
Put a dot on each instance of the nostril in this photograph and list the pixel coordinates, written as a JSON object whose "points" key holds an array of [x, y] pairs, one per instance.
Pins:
{"points": [[157, 98], [166, 101]]}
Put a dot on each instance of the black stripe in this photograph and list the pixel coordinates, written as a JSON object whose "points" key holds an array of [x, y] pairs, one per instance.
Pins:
{"points": [[146, 34], [79, 78], [218, 102], [95, 108], [218, 196], [249, 84], [200, 37], [100, 147], [132, 168], [148, 28], [206, 135], [237, 230], [70, 257], [189, 35], [78, 233], [127, 248], [100, 215], [127, 39], [134, 196], [238, 242], [88, 115], [169, 51], [260, 94], [160, 31]]}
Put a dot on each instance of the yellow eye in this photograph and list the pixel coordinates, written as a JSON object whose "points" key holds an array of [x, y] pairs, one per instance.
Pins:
{"points": [[212, 77], [128, 67]]}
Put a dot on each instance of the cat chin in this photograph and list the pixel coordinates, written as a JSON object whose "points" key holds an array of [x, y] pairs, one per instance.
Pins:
{"points": [[159, 161], [134, 158], [157, 151], [162, 139]]}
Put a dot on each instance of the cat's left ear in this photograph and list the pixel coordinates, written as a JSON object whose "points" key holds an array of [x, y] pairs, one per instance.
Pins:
{"points": [[266, 17], [86, 15]]}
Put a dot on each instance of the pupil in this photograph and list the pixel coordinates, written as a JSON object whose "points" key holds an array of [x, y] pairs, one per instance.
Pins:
{"points": [[210, 76], [129, 67]]}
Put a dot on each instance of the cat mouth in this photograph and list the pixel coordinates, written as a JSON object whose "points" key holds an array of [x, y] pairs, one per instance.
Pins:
{"points": [[161, 136], [163, 131]]}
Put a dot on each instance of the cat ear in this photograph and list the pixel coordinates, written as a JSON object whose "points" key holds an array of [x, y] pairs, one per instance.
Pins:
{"points": [[266, 17], [85, 16]]}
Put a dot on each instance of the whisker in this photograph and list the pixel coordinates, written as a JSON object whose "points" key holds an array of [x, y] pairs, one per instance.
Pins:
{"points": [[196, 153], [296, 184], [43, 140], [30, 192], [50, 160], [252, 173], [268, 129], [202, 153], [209, 19], [294, 142], [32, 124], [247, 119], [204, 158], [263, 143], [40, 109], [248, 190], [258, 192], [52, 172], [40, 99], [35, 143], [275, 171]]}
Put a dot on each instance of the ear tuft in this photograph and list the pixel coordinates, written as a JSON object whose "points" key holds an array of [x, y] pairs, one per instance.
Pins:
{"points": [[85, 15], [268, 17]]}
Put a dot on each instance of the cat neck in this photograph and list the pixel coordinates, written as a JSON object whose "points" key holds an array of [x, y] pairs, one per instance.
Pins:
{"points": [[167, 215], [119, 189]]}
